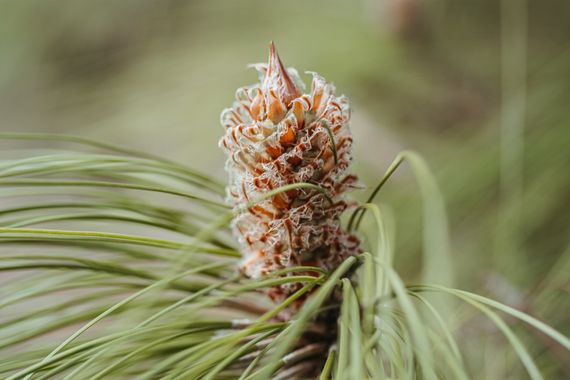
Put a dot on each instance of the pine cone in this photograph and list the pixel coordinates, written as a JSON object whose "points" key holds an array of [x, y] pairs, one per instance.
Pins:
{"points": [[276, 136]]}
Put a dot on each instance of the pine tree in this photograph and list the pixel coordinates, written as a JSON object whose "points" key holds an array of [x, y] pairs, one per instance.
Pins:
{"points": [[162, 289]]}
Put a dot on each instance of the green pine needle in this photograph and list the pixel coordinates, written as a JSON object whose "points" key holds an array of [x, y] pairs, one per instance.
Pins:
{"points": [[152, 291]]}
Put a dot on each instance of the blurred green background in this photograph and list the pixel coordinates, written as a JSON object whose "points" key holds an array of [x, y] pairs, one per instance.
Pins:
{"points": [[481, 89]]}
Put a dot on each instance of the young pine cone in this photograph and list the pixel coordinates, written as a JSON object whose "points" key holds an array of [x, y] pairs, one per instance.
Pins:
{"points": [[276, 136]]}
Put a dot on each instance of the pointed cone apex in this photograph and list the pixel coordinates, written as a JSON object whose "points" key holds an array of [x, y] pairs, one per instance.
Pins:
{"points": [[277, 77]]}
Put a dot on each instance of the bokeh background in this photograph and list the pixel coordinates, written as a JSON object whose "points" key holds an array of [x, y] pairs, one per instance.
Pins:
{"points": [[481, 89]]}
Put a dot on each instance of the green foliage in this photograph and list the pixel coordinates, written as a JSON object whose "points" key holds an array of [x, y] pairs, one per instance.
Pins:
{"points": [[152, 292]]}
